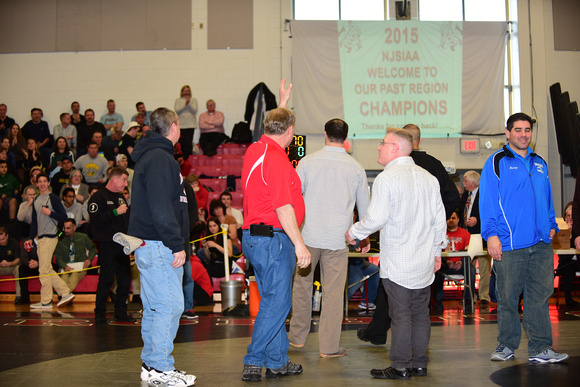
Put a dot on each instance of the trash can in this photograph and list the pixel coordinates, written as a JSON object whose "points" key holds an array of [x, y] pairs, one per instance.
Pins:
{"points": [[231, 293], [254, 301]]}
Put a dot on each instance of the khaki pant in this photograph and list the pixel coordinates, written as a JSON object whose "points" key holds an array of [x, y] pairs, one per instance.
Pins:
{"points": [[333, 271], [484, 263], [46, 248], [72, 279], [12, 270]]}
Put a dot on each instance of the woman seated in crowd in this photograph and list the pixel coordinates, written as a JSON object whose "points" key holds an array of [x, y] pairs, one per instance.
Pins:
{"points": [[18, 148], [212, 252], [76, 183], [61, 149], [32, 157], [5, 142], [218, 209]]}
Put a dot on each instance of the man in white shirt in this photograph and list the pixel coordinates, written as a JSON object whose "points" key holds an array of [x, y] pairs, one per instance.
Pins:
{"points": [[406, 206], [332, 183]]}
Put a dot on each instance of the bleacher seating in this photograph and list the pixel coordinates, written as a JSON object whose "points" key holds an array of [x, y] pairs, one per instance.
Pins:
{"points": [[228, 161], [237, 198], [232, 149], [87, 285], [217, 185]]}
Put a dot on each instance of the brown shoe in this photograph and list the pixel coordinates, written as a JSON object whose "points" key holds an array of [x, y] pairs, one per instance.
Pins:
{"points": [[341, 352]]}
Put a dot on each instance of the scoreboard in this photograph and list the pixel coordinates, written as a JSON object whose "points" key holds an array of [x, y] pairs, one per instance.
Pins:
{"points": [[297, 149]]}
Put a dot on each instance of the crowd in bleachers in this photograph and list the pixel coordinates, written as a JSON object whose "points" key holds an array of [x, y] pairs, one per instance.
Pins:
{"points": [[77, 155]]}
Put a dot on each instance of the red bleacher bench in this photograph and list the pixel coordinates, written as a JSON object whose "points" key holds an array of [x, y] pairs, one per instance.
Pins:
{"points": [[87, 285], [232, 149]]}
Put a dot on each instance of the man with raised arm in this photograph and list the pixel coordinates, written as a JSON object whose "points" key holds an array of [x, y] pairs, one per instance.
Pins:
{"points": [[273, 211]]}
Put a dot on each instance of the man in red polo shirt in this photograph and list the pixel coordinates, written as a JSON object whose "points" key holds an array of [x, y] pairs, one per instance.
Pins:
{"points": [[274, 211]]}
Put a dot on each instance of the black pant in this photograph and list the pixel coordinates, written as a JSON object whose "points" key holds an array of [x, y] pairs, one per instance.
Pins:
{"points": [[411, 325], [567, 271], [25, 271], [113, 262], [185, 141], [209, 142], [381, 322]]}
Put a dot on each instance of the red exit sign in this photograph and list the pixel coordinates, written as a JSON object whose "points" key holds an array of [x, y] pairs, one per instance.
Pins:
{"points": [[469, 145]]}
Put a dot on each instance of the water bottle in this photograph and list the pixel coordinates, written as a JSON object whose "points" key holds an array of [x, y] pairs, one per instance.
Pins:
{"points": [[316, 297]]}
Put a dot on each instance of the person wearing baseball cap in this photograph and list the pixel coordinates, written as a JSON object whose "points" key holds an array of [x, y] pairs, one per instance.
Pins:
{"points": [[128, 142]]}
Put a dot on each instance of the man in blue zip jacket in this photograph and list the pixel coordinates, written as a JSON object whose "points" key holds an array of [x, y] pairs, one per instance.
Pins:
{"points": [[518, 221]]}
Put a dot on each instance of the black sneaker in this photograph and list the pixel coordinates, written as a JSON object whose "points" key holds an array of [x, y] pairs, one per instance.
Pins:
{"points": [[252, 373], [21, 301], [391, 373], [438, 308], [362, 334], [419, 371], [286, 370], [190, 315]]}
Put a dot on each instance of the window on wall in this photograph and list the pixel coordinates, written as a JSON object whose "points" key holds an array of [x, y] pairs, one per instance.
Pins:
{"points": [[339, 9], [462, 10], [441, 10], [429, 10]]}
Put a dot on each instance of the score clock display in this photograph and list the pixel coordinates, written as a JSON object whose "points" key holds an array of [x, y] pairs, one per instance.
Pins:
{"points": [[297, 149]]}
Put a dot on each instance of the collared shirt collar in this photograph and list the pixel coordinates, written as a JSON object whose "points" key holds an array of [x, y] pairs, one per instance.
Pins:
{"points": [[400, 160], [334, 149], [271, 141]]}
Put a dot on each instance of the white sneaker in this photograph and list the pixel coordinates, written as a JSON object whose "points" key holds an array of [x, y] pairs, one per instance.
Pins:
{"points": [[65, 300], [145, 369], [548, 356], [144, 372], [171, 378], [363, 305], [502, 353], [40, 305]]}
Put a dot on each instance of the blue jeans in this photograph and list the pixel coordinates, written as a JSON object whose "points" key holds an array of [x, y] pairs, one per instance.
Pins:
{"points": [[187, 280], [162, 296], [357, 269], [529, 270], [274, 261]]}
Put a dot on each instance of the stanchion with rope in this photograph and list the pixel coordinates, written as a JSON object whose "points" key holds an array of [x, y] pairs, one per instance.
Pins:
{"points": [[227, 263]]}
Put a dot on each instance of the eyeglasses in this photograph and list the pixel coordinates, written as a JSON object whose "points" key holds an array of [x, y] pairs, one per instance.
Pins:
{"points": [[385, 143]]}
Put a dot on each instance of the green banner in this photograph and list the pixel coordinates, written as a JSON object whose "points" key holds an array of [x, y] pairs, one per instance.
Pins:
{"points": [[400, 72]]}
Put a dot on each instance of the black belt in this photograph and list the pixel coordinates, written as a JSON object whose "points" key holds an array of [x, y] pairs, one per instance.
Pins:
{"points": [[264, 230]]}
